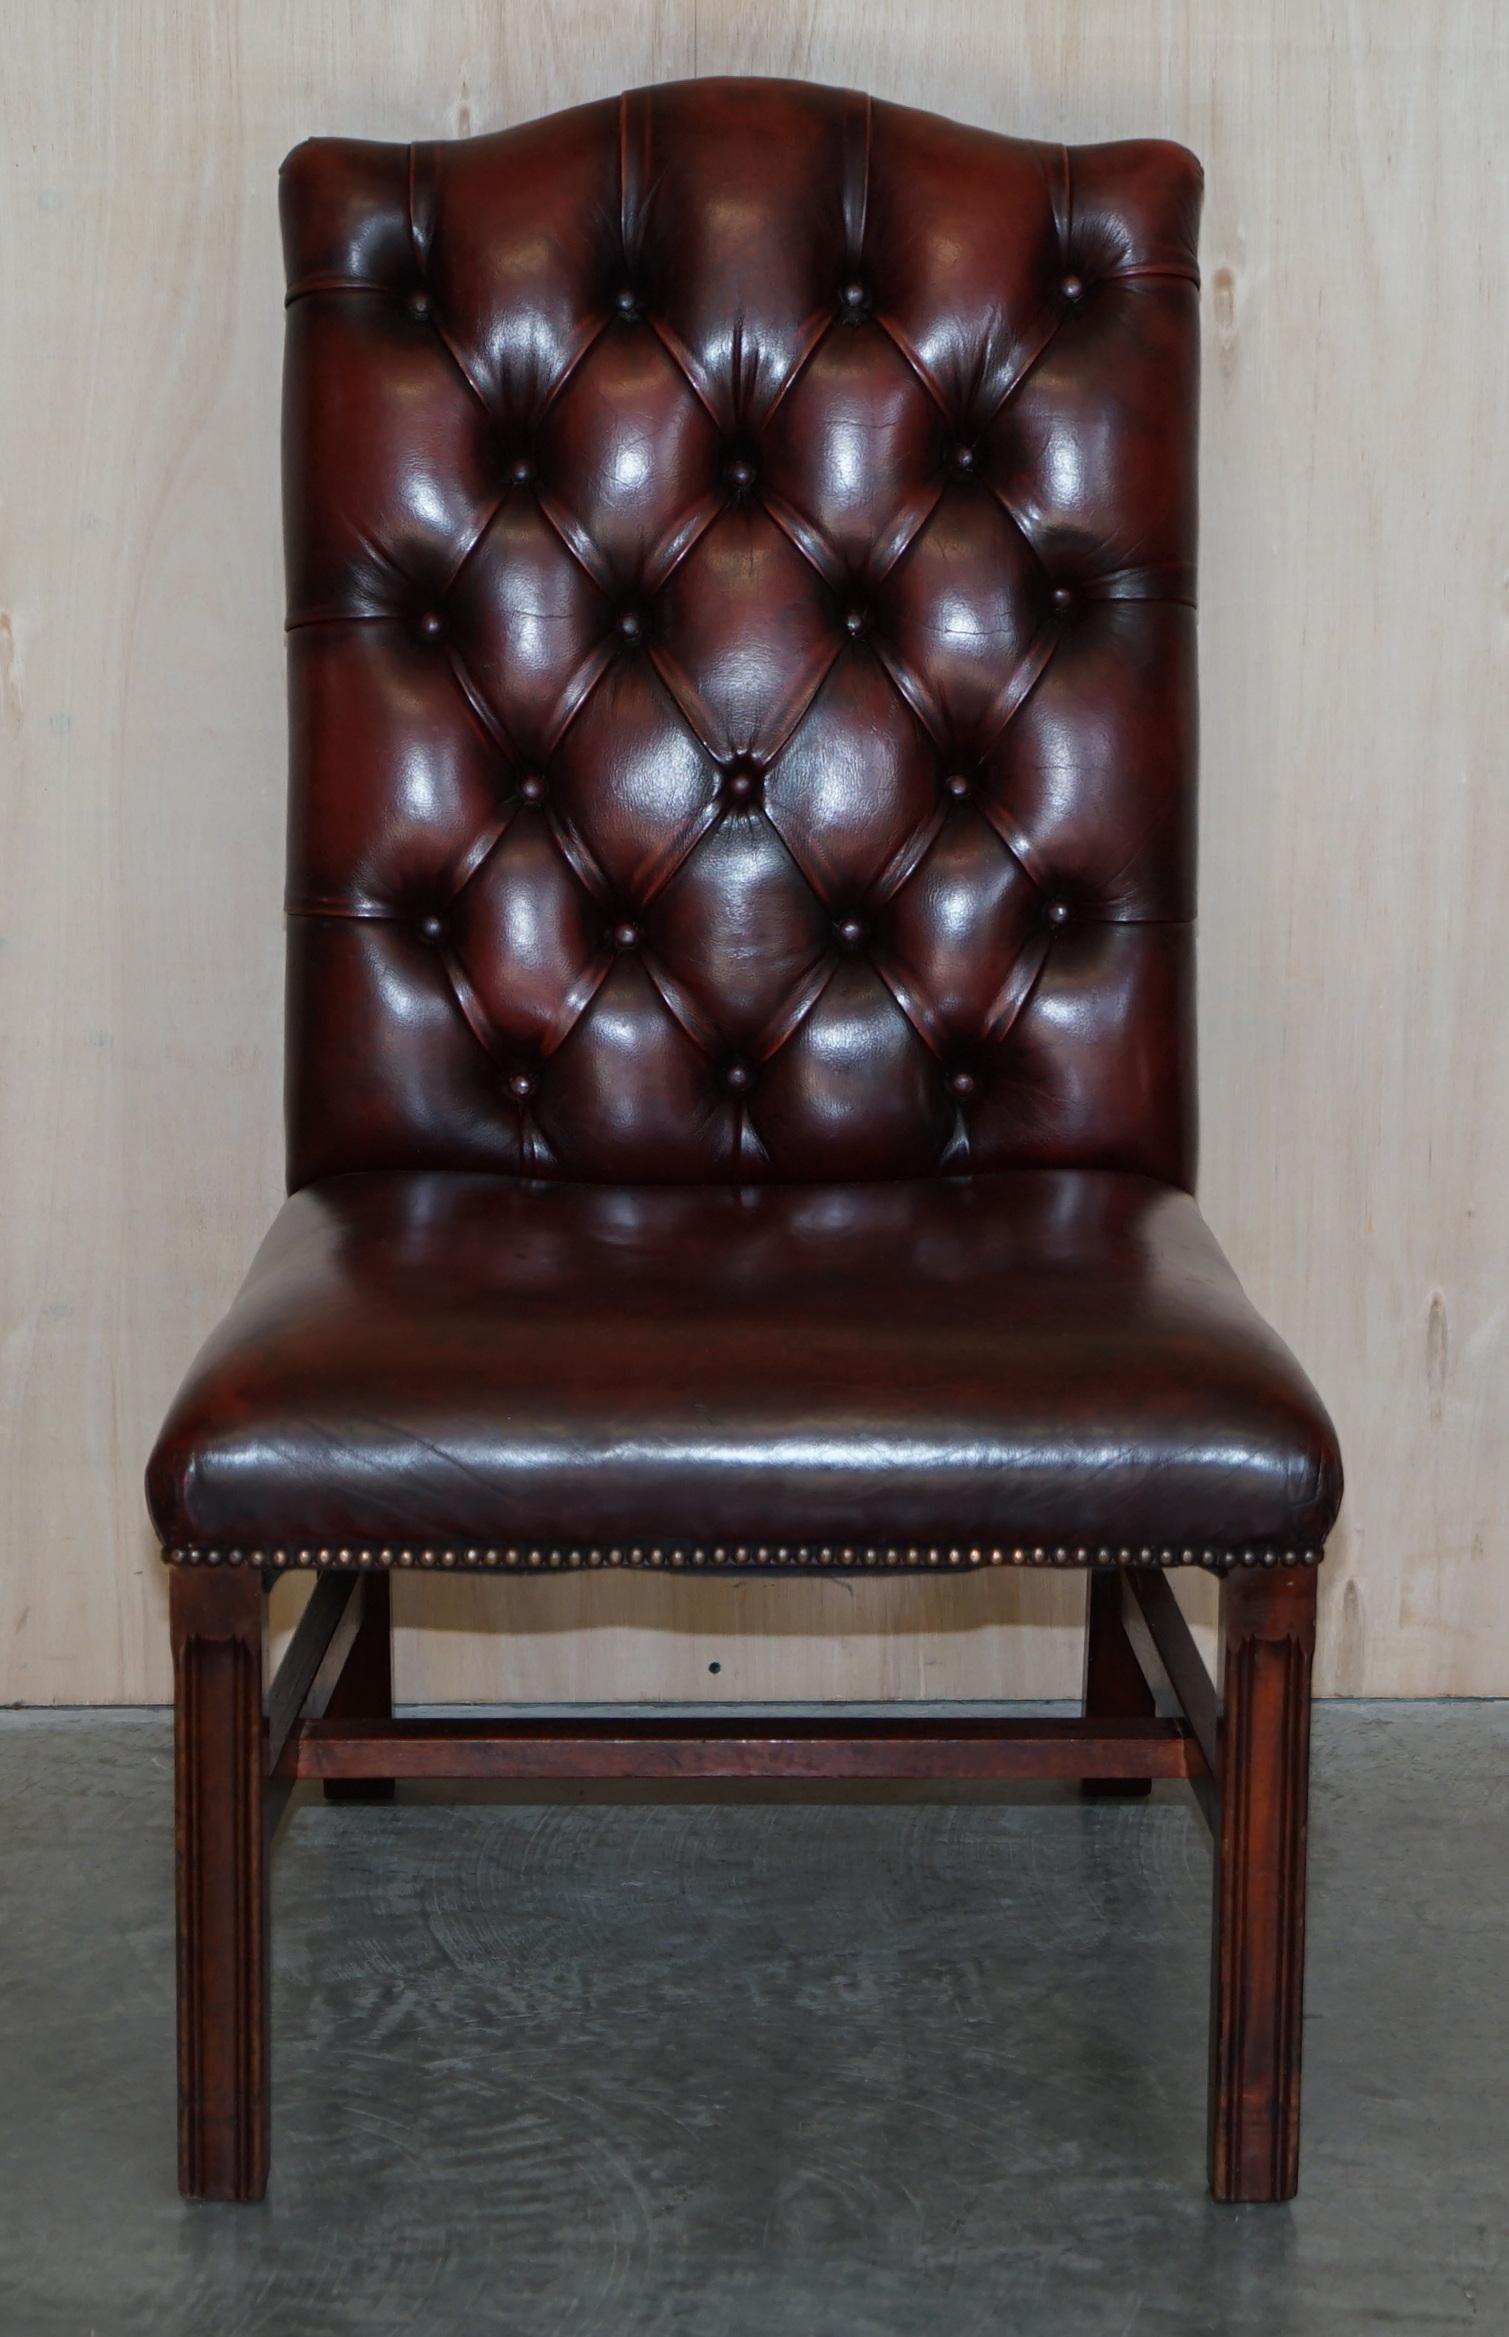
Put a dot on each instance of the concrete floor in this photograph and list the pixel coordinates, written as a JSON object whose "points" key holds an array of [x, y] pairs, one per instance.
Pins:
{"points": [[761, 2064]]}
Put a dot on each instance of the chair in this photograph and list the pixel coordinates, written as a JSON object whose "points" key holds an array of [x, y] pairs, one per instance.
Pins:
{"points": [[740, 971]]}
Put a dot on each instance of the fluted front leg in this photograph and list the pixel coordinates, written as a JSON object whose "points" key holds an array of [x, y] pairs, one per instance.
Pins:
{"points": [[218, 1623], [1268, 1641]]}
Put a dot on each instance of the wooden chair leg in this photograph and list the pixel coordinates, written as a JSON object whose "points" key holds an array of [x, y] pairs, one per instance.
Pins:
{"points": [[218, 1619], [364, 1690], [1267, 1643], [1115, 1688]]}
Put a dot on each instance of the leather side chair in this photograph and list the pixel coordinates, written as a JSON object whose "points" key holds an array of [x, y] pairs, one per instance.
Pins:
{"points": [[740, 971]]}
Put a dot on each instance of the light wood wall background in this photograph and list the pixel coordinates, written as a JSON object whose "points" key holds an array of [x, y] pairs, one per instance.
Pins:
{"points": [[1356, 819]]}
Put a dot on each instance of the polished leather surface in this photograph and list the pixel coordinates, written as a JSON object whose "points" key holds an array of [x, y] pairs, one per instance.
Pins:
{"points": [[740, 1070], [740, 579], [1040, 1356]]}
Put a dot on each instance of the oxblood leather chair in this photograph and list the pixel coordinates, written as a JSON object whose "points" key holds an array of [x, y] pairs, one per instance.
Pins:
{"points": [[740, 1053]]}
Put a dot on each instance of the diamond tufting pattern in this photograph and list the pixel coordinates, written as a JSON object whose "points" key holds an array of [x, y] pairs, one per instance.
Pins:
{"points": [[742, 646]]}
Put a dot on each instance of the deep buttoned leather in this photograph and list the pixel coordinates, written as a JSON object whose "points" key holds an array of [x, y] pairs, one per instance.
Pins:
{"points": [[1035, 1357], [740, 1071], [740, 571]]}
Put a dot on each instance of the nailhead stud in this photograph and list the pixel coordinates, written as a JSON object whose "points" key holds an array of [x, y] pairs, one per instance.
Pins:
{"points": [[558, 1555]]}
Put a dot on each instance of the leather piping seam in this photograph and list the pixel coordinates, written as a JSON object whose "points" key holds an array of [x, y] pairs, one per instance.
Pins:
{"points": [[362, 915]]}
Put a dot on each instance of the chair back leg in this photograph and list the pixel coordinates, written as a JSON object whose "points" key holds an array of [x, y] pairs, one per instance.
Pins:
{"points": [[1115, 1686], [364, 1690]]}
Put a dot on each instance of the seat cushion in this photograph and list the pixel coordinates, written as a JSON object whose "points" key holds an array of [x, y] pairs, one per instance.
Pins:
{"points": [[459, 1363], [449, 1368]]}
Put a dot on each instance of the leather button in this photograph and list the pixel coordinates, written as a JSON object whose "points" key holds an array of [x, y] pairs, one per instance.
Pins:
{"points": [[419, 304], [626, 301], [521, 471], [626, 935], [963, 1083], [1073, 288], [741, 783], [956, 783], [1063, 598], [963, 458], [851, 931], [522, 1085], [1058, 912], [854, 623], [432, 624], [853, 298], [532, 787], [432, 927], [737, 1076], [631, 625], [740, 472]]}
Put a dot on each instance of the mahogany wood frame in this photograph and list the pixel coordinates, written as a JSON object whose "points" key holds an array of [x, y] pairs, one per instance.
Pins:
{"points": [[1150, 1710]]}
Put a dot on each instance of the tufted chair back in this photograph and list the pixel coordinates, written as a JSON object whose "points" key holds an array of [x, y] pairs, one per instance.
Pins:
{"points": [[741, 638]]}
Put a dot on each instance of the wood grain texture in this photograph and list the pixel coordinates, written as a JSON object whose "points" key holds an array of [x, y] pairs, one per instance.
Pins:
{"points": [[752, 1746], [364, 1688], [1114, 1685], [1152, 1601], [1258, 1939], [1356, 824], [324, 1642], [218, 1626]]}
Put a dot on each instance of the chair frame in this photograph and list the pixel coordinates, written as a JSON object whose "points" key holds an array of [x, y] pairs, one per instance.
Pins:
{"points": [[1150, 1709]]}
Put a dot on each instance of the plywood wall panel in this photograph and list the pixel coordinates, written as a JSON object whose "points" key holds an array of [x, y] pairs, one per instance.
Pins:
{"points": [[1355, 870]]}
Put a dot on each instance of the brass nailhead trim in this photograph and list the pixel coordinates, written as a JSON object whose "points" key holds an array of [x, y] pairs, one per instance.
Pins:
{"points": [[571, 1557]]}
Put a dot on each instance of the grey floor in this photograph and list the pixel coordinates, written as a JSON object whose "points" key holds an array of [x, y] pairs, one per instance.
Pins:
{"points": [[712, 2065]]}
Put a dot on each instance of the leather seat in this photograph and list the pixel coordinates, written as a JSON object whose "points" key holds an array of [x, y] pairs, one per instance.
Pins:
{"points": [[950, 1370]]}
